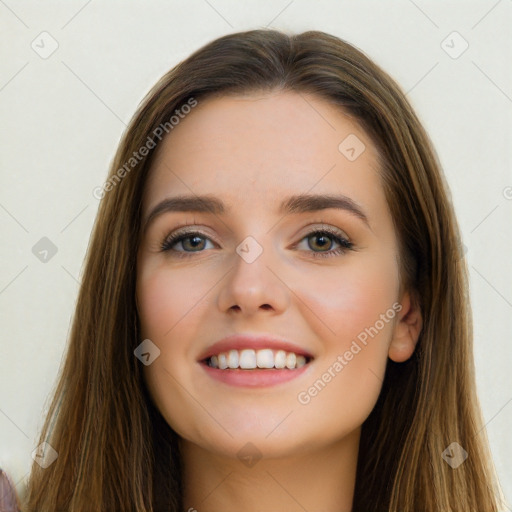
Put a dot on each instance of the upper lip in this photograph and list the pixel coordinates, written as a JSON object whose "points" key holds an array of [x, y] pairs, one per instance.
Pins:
{"points": [[252, 341]]}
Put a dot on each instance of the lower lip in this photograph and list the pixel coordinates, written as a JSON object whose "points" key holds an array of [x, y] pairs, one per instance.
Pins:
{"points": [[257, 378]]}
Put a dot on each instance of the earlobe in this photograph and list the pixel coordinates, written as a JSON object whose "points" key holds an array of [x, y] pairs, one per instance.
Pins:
{"points": [[407, 330]]}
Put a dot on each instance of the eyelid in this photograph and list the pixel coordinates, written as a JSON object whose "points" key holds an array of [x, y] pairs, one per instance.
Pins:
{"points": [[188, 229], [324, 226]]}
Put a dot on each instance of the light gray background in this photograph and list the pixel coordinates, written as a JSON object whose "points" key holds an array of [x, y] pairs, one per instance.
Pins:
{"points": [[61, 118]]}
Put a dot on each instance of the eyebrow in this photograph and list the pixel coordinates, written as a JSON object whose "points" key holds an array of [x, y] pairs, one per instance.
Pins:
{"points": [[300, 203]]}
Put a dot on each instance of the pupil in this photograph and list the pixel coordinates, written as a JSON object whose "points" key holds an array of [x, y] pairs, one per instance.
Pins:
{"points": [[195, 241], [322, 237]]}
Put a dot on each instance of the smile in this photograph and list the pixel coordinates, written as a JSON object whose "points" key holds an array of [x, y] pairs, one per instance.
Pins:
{"points": [[249, 359]]}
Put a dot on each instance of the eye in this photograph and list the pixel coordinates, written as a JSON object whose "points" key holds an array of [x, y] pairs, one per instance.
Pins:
{"points": [[320, 242], [322, 239], [192, 241]]}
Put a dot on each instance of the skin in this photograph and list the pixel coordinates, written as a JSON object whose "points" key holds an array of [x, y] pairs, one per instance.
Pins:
{"points": [[252, 151]]}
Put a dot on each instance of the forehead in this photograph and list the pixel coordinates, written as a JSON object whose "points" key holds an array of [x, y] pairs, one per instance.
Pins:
{"points": [[263, 146]]}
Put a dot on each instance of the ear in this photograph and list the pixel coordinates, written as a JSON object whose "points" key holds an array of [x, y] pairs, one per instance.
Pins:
{"points": [[406, 331]]}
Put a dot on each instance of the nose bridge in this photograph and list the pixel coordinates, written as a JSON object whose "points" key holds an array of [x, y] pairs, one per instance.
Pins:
{"points": [[252, 282]]}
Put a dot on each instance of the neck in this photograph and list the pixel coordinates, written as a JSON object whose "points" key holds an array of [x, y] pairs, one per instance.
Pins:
{"points": [[323, 479]]}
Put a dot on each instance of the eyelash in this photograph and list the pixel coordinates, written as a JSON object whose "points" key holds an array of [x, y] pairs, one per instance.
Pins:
{"points": [[345, 245]]}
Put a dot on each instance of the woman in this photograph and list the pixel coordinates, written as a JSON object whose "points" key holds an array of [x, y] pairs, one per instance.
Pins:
{"points": [[221, 358]]}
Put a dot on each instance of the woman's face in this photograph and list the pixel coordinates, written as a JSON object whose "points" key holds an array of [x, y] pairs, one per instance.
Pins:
{"points": [[266, 267]]}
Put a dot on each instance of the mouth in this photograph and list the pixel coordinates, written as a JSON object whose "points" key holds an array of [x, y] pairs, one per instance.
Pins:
{"points": [[262, 359], [250, 360], [249, 368]]}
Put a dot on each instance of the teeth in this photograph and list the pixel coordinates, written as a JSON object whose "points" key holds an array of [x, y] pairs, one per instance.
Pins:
{"points": [[291, 359], [233, 359], [280, 359], [249, 359], [265, 358], [223, 363]]}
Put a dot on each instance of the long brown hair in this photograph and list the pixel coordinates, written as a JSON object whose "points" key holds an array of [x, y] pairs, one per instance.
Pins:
{"points": [[116, 452]]}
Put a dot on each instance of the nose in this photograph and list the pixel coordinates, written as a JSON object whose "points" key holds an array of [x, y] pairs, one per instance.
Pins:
{"points": [[254, 285]]}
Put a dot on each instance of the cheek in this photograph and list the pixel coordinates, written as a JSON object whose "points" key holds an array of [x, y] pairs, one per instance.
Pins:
{"points": [[170, 305], [164, 297], [357, 318], [352, 298]]}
